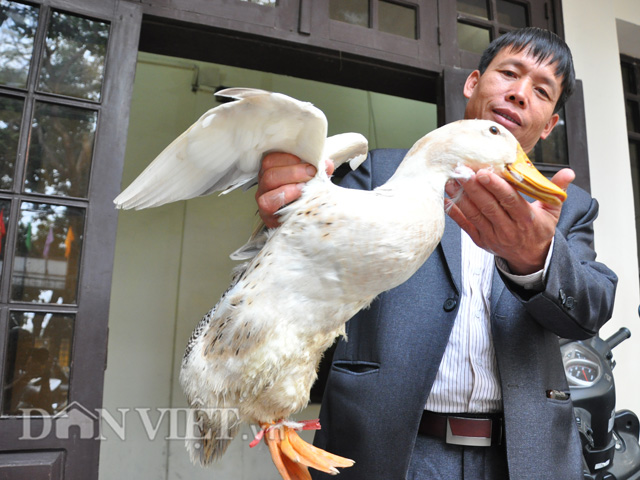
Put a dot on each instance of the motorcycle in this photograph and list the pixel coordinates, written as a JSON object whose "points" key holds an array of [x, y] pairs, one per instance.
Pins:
{"points": [[609, 438]]}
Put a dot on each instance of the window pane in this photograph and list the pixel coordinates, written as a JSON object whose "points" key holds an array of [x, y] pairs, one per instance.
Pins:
{"points": [[73, 61], [397, 19], [473, 39], [510, 13], [17, 29], [49, 243], [553, 149], [629, 79], [633, 116], [355, 12], [38, 359], [10, 118], [5, 207], [476, 8], [60, 151]]}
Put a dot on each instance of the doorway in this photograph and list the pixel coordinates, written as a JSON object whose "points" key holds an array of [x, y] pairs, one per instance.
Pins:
{"points": [[171, 262]]}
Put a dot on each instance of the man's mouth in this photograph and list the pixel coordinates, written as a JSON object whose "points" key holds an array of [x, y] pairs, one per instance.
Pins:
{"points": [[508, 117]]}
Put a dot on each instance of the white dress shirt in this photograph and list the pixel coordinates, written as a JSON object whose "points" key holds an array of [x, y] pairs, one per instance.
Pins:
{"points": [[467, 380]]}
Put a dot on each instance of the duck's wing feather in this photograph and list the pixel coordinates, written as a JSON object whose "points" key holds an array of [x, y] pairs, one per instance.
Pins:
{"points": [[224, 148], [351, 148]]}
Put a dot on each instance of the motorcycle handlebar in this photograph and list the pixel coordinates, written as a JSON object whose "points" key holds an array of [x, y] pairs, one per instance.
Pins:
{"points": [[618, 337]]}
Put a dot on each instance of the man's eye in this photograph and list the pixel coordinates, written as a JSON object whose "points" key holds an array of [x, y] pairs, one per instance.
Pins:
{"points": [[508, 73], [543, 92]]}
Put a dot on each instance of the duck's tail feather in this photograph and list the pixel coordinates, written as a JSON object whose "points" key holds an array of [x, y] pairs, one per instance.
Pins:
{"points": [[213, 430]]}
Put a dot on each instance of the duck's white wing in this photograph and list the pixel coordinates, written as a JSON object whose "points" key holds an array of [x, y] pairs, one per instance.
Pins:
{"points": [[351, 148], [223, 149]]}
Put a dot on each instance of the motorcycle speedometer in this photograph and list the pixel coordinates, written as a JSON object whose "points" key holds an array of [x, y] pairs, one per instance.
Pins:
{"points": [[582, 372], [581, 367]]}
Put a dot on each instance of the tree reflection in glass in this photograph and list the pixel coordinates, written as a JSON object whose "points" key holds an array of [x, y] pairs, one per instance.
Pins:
{"points": [[60, 151], [355, 12], [74, 56], [18, 25], [38, 363], [48, 248]]}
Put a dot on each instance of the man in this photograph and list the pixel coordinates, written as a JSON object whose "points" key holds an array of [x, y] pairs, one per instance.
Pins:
{"points": [[457, 373]]}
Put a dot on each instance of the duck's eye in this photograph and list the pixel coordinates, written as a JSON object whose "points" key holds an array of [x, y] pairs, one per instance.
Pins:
{"points": [[494, 130]]}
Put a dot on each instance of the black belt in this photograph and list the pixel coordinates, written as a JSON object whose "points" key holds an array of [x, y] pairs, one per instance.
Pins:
{"points": [[462, 428]]}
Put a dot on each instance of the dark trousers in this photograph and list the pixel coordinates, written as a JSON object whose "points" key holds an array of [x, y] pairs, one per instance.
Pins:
{"points": [[433, 459]]}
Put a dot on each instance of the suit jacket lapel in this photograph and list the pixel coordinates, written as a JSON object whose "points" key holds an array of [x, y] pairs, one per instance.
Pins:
{"points": [[497, 286], [451, 246]]}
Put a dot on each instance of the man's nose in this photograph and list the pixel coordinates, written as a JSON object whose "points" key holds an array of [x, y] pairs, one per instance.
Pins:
{"points": [[518, 93]]}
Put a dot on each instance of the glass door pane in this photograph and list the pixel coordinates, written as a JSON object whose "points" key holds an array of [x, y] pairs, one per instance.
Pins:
{"points": [[18, 23], [74, 57], [48, 247], [38, 365], [61, 150]]}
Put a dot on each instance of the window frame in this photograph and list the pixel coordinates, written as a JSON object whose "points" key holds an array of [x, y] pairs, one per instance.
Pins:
{"points": [[634, 137]]}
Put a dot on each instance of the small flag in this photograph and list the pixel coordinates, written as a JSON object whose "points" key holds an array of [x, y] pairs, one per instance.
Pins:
{"points": [[47, 243], [68, 241], [3, 229], [27, 238]]}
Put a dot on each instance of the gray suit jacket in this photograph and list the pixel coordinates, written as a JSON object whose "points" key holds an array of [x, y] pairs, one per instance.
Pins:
{"points": [[382, 374]]}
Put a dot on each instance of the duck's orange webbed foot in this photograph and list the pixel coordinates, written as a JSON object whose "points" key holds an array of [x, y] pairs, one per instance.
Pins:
{"points": [[292, 455]]}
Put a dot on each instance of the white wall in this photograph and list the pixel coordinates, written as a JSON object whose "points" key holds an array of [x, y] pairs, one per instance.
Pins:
{"points": [[172, 262], [591, 32]]}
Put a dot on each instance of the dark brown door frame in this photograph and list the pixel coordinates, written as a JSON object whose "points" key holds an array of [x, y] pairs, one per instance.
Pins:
{"points": [[76, 457], [172, 37]]}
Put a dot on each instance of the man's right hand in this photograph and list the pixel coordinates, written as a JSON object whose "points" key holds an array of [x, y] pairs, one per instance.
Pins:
{"points": [[280, 182]]}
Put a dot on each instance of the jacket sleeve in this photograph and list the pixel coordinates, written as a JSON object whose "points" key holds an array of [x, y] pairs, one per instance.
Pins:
{"points": [[579, 292]]}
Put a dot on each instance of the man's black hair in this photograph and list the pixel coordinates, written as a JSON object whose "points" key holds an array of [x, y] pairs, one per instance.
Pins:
{"points": [[542, 45]]}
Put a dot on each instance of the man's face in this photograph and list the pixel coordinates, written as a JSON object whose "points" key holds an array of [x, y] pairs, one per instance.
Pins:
{"points": [[518, 92]]}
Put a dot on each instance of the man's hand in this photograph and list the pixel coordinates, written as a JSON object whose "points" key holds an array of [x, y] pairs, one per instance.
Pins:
{"points": [[501, 221], [280, 182]]}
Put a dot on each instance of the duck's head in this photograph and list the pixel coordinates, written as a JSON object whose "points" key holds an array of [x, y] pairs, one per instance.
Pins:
{"points": [[485, 144]]}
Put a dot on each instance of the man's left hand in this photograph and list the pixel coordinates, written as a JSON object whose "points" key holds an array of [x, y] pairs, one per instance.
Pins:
{"points": [[501, 221]]}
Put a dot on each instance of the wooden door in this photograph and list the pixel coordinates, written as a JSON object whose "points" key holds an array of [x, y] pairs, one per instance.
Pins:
{"points": [[66, 75]]}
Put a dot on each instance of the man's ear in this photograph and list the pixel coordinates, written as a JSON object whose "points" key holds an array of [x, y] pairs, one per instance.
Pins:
{"points": [[470, 83], [553, 121]]}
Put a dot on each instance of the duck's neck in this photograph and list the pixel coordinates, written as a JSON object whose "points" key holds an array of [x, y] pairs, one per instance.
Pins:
{"points": [[426, 164]]}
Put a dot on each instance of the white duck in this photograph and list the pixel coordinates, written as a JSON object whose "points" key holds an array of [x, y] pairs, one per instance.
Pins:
{"points": [[258, 349]]}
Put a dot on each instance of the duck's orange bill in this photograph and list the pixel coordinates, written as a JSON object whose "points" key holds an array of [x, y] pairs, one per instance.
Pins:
{"points": [[526, 178]]}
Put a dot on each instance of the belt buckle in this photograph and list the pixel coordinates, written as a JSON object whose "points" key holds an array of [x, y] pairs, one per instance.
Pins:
{"points": [[480, 432]]}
